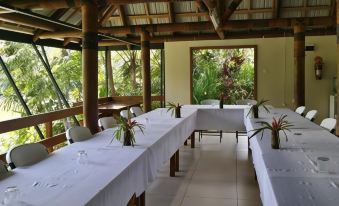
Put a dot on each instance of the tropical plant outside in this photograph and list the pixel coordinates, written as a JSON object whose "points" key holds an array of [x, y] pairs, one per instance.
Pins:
{"points": [[230, 71], [34, 84]]}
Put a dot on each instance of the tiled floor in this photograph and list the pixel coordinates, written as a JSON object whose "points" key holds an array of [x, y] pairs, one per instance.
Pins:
{"points": [[212, 174]]}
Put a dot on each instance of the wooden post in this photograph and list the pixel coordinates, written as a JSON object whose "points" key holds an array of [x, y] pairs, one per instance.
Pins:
{"points": [[90, 64], [110, 73], [172, 165], [177, 161], [299, 64], [146, 70], [49, 133]]}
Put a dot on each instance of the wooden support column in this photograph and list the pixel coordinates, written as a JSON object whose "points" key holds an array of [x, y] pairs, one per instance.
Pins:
{"points": [[337, 126], [299, 64], [146, 70], [90, 64]]}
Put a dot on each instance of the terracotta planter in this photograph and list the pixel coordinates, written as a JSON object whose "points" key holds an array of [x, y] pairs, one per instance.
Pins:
{"points": [[178, 112], [275, 143]]}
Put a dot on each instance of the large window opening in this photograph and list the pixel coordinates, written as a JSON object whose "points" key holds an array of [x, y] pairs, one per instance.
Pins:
{"points": [[231, 70]]}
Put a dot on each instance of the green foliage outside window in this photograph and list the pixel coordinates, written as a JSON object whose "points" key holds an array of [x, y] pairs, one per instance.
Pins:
{"points": [[38, 92], [223, 70]]}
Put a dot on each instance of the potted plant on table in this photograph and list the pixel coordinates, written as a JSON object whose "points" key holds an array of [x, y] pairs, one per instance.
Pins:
{"points": [[277, 125], [125, 132], [175, 108], [254, 110]]}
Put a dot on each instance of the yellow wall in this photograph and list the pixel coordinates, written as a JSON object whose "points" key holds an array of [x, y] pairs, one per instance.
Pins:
{"points": [[274, 70]]}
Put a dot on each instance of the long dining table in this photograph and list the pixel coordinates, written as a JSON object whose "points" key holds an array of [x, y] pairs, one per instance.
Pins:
{"points": [[113, 173]]}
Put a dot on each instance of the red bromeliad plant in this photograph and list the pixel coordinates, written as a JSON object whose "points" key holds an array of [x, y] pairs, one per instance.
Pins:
{"points": [[126, 131], [277, 125]]}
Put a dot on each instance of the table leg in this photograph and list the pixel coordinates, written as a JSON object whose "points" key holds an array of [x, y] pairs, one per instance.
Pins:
{"points": [[172, 166], [132, 201], [141, 201], [185, 143], [177, 161], [192, 140]]}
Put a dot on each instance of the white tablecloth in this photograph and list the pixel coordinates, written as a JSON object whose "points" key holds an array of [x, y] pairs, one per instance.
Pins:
{"points": [[114, 173], [288, 176]]}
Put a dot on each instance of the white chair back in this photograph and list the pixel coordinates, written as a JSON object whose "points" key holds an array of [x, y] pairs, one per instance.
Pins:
{"points": [[246, 102], [78, 134], [329, 124], [106, 122], [125, 114], [26, 154], [136, 111], [210, 102], [300, 110], [311, 115], [3, 169]]}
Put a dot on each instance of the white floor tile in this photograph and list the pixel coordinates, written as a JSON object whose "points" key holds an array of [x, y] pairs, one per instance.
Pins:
{"points": [[211, 174]]}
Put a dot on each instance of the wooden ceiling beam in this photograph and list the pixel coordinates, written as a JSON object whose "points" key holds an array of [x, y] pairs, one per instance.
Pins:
{"points": [[171, 14], [57, 4], [122, 15], [30, 22], [107, 14], [13, 27], [214, 7], [201, 26], [231, 9], [230, 35]]}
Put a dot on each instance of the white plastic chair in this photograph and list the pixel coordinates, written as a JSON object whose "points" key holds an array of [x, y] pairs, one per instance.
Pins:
{"points": [[210, 102], [26, 154], [125, 114], [136, 111], [311, 115], [78, 134], [246, 102], [300, 110], [329, 124], [106, 122]]}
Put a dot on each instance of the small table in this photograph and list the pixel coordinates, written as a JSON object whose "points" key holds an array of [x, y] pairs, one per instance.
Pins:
{"points": [[113, 108]]}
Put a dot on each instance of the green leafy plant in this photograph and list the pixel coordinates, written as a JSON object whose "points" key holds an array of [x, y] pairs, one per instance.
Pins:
{"points": [[255, 108], [126, 131], [175, 109], [280, 124]]}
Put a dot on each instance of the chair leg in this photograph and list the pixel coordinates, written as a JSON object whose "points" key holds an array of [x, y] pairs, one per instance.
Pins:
{"points": [[220, 132], [237, 136], [200, 135]]}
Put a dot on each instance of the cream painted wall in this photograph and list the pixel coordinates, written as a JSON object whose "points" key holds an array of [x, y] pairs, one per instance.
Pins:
{"points": [[274, 70]]}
